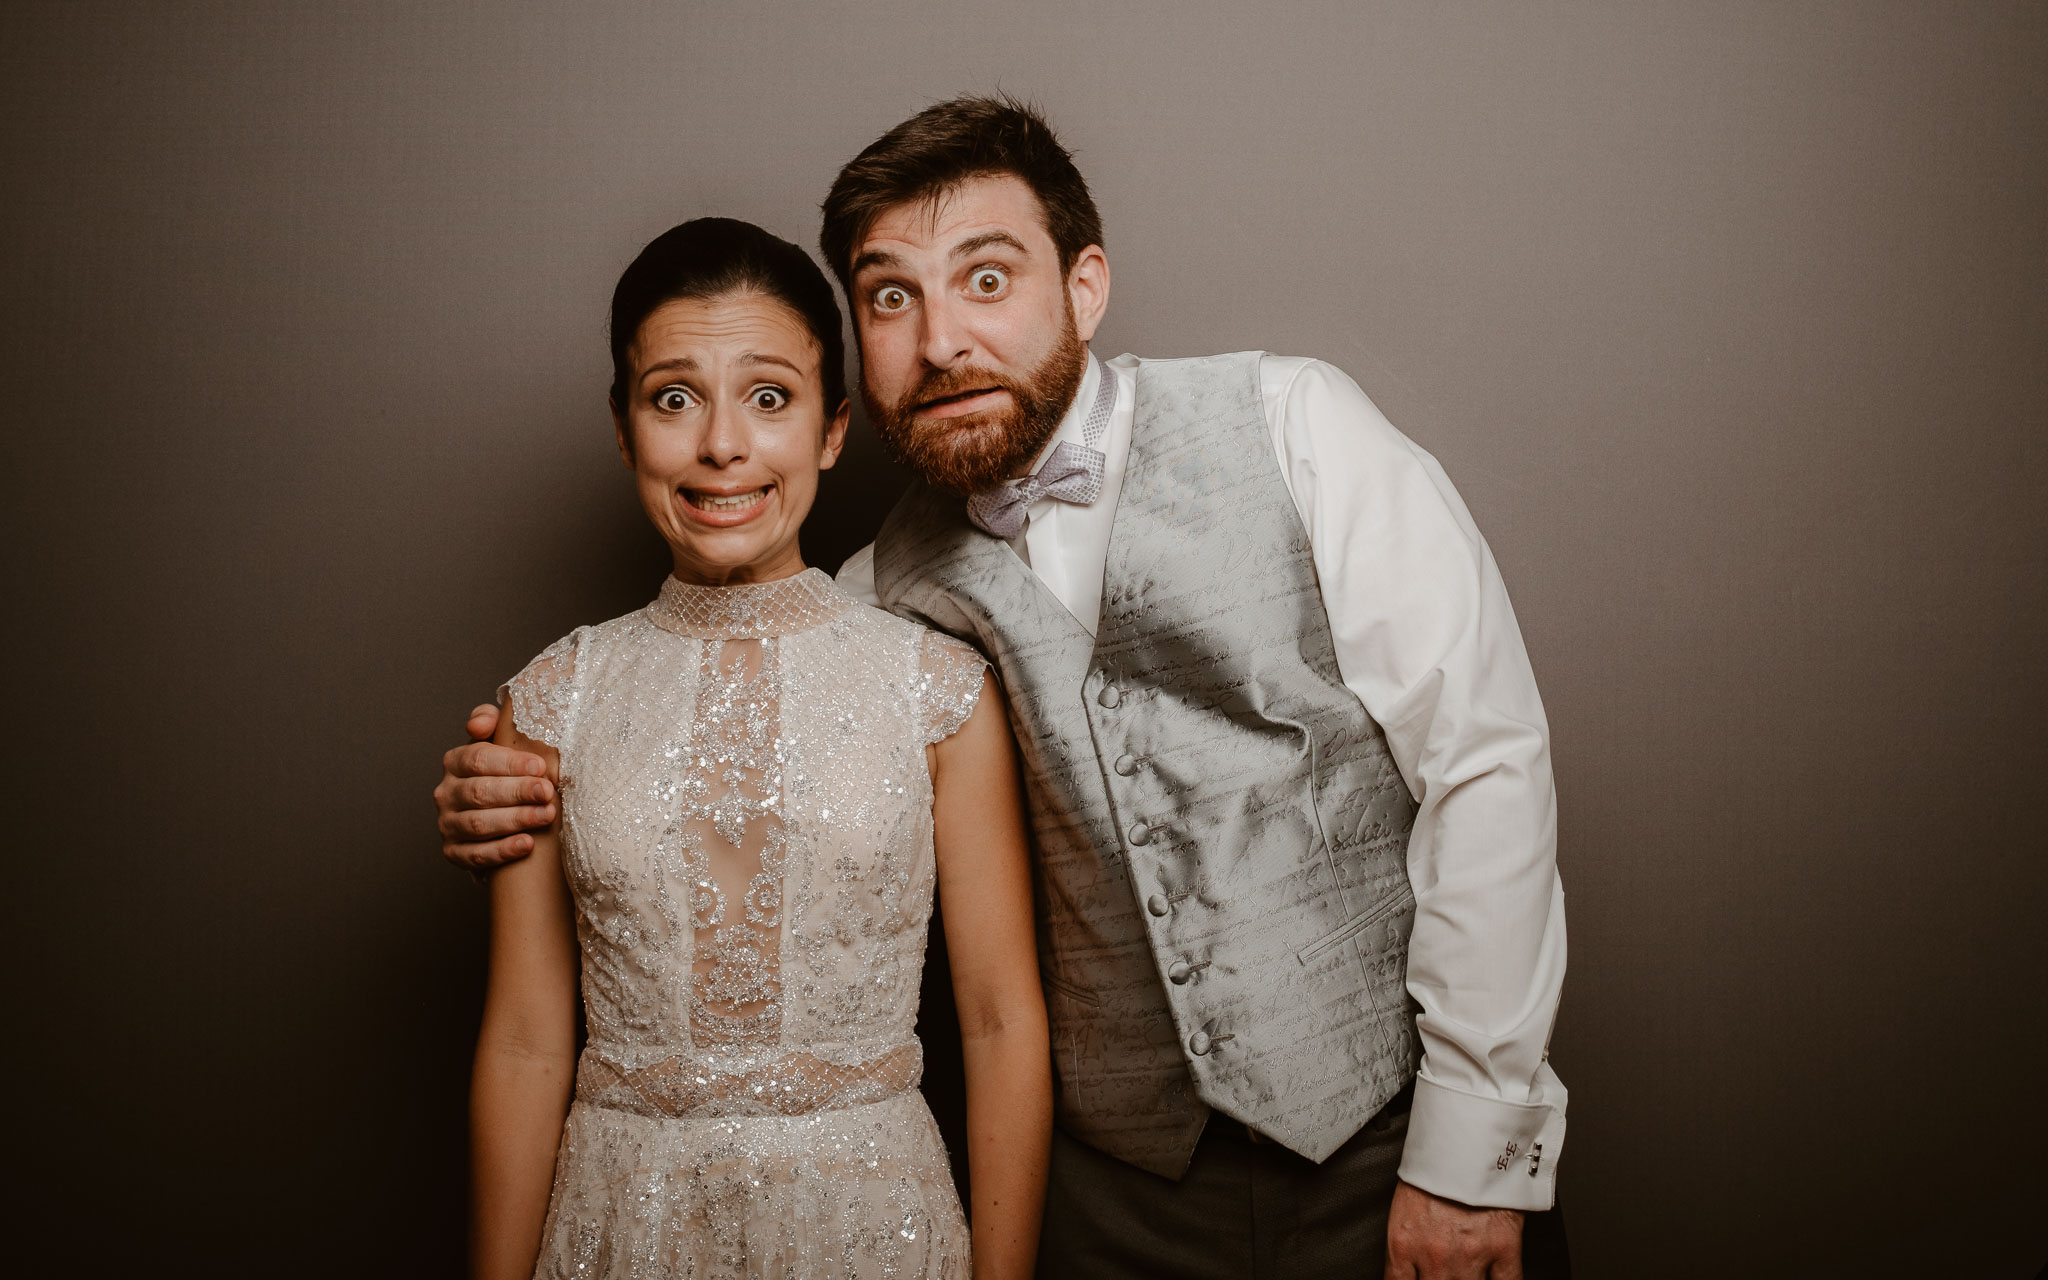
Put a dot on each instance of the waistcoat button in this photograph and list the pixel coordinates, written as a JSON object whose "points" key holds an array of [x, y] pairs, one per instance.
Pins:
{"points": [[1178, 973], [1157, 905], [1109, 696], [1198, 1043], [1138, 833], [1125, 766]]}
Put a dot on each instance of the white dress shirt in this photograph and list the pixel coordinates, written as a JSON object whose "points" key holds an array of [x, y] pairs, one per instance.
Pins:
{"points": [[1425, 637]]}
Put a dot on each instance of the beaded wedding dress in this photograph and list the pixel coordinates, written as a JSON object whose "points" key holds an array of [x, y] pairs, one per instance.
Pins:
{"points": [[747, 834]]}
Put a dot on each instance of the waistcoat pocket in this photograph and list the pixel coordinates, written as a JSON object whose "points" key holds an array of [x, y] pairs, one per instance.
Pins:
{"points": [[1351, 928]]}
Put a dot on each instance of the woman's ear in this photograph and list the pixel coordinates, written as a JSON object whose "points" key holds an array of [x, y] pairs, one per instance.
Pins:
{"points": [[623, 430], [835, 435]]}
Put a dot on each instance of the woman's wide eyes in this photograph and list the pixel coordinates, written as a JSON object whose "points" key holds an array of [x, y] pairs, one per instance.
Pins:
{"points": [[987, 282], [768, 399], [672, 399], [891, 298]]}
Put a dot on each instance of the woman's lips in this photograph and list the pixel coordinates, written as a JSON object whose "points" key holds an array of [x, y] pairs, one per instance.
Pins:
{"points": [[959, 406], [727, 508]]}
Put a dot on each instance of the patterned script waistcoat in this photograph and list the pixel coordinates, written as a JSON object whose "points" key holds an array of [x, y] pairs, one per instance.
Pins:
{"points": [[1219, 831]]}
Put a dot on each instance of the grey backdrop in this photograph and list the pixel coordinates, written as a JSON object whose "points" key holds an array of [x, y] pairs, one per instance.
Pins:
{"points": [[1727, 319]]}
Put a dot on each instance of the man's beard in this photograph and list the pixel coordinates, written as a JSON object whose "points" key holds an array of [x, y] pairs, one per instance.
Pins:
{"points": [[981, 450]]}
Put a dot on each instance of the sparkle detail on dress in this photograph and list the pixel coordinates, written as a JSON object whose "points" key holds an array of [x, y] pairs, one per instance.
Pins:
{"points": [[746, 832]]}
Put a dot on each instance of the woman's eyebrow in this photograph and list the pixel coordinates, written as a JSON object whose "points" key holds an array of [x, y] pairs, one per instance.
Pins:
{"points": [[763, 357]]}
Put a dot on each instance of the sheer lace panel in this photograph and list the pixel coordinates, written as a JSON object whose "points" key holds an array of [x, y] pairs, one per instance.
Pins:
{"points": [[730, 836]]}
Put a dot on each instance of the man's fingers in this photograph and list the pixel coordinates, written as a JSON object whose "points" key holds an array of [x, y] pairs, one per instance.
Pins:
{"points": [[483, 722], [493, 853], [488, 759], [493, 792], [469, 826]]}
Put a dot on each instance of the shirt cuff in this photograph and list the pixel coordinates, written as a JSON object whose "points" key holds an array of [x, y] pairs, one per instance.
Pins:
{"points": [[1485, 1152]]}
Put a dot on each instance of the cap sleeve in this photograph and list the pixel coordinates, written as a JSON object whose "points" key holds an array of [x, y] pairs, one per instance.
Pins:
{"points": [[949, 684], [544, 695]]}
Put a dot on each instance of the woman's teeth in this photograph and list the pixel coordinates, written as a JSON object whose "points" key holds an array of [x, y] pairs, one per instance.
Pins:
{"points": [[726, 502]]}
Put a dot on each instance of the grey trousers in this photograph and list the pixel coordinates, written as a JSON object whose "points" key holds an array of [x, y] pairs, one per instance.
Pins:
{"points": [[1243, 1209]]}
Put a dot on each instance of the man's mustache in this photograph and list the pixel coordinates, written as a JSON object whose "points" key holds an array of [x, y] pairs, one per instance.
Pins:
{"points": [[938, 384]]}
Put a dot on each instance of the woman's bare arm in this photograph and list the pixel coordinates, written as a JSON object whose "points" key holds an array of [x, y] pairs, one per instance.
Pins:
{"points": [[985, 897], [526, 1051]]}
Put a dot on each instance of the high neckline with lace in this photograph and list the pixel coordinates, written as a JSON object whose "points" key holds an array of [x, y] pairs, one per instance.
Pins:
{"points": [[779, 608]]}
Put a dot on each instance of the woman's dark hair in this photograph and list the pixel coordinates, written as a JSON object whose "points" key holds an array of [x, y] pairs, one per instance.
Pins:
{"points": [[943, 146], [714, 257]]}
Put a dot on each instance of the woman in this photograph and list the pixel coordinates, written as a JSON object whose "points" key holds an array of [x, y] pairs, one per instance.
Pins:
{"points": [[762, 783]]}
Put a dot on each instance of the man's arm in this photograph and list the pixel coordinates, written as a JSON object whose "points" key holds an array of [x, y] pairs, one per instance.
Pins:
{"points": [[492, 799], [1424, 634]]}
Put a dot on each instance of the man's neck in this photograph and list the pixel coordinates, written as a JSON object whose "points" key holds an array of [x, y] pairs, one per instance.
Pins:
{"points": [[1069, 427]]}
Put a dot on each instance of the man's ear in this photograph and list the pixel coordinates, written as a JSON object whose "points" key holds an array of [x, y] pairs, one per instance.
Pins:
{"points": [[623, 431], [1088, 289], [835, 435]]}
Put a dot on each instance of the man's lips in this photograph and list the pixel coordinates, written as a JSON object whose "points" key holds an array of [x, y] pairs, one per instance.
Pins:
{"points": [[960, 403]]}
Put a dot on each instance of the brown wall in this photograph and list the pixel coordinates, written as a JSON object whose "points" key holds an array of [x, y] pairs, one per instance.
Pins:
{"points": [[1727, 319]]}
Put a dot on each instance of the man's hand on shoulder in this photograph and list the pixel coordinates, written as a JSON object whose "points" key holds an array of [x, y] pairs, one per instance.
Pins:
{"points": [[1431, 1238], [490, 797]]}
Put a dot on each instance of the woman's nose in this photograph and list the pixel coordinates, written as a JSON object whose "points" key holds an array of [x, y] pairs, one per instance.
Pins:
{"points": [[725, 438]]}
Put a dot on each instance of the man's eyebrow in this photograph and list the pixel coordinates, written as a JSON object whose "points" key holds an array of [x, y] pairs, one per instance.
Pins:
{"points": [[875, 258], [975, 244]]}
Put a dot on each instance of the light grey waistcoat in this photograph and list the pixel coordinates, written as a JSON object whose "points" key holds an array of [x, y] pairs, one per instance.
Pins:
{"points": [[1221, 835]]}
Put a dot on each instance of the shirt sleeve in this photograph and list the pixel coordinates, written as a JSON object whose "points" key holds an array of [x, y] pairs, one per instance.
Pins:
{"points": [[544, 696], [857, 576], [949, 684], [1426, 638]]}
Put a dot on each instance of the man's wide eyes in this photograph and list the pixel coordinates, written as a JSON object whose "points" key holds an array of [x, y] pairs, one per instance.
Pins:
{"points": [[891, 298], [987, 282]]}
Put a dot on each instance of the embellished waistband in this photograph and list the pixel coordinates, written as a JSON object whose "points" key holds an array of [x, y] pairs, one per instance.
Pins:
{"points": [[785, 1084]]}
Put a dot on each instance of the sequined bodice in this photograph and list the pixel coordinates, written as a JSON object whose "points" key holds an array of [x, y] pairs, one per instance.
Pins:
{"points": [[746, 832]]}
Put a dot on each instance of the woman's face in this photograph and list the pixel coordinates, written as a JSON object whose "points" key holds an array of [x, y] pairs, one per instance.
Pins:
{"points": [[726, 428]]}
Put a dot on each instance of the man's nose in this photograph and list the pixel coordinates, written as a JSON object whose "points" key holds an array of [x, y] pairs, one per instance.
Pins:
{"points": [[726, 436], [946, 341]]}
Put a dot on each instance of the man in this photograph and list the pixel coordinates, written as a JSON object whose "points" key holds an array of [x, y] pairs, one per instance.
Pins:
{"points": [[1301, 932]]}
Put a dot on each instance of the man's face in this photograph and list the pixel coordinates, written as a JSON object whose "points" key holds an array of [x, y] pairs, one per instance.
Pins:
{"points": [[972, 340]]}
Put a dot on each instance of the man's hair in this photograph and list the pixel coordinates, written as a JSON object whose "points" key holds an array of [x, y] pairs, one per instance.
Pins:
{"points": [[943, 146]]}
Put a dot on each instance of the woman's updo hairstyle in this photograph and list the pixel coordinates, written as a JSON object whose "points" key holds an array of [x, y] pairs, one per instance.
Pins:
{"points": [[711, 258]]}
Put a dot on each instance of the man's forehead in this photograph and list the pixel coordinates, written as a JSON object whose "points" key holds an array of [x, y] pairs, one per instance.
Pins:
{"points": [[962, 211]]}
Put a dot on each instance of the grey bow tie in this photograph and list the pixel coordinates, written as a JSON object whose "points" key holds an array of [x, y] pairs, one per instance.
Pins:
{"points": [[1071, 473]]}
